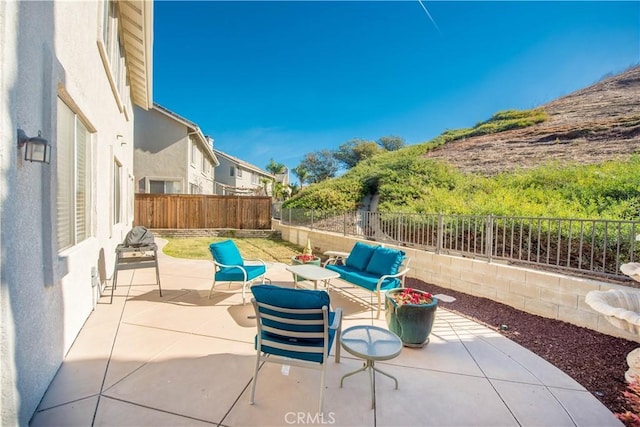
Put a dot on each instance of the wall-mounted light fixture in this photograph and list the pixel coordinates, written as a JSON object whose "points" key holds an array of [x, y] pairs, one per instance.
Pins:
{"points": [[37, 149]]}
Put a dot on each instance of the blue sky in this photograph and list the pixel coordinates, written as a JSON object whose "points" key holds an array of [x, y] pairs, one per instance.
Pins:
{"points": [[282, 79]]}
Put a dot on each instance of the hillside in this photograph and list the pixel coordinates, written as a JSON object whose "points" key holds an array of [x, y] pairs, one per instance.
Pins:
{"points": [[598, 123], [578, 156]]}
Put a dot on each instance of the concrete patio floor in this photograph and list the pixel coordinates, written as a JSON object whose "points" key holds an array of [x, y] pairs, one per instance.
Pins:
{"points": [[185, 360]]}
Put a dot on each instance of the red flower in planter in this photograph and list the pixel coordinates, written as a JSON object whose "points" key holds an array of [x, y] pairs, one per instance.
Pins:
{"points": [[305, 258], [412, 296]]}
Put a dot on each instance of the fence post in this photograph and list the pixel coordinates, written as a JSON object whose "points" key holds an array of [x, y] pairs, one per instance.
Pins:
{"points": [[312, 219], [489, 237], [290, 216], [344, 223], [440, 236]]}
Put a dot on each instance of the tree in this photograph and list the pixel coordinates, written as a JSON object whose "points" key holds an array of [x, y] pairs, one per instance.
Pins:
{"points": [[275, 167], [391, 142], [354, 151], [280, 191], [320, 165], [301, 173], [294, 188]]}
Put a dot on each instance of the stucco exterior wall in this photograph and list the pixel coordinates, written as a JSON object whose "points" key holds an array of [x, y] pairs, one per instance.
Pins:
{"points": [[249, 178], [163, 152], [45, 294], [546, 294], [161, 148], [222, 172]]}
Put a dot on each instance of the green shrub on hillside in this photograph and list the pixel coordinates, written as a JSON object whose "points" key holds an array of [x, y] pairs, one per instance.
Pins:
{"points": [[499, 122], [407, 181], [607, 190]]}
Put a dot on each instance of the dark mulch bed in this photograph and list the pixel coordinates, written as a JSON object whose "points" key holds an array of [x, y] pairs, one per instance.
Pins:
{"points": [[595, 360]]}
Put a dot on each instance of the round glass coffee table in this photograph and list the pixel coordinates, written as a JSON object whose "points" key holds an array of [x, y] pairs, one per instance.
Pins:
{"points": [[371, 343]]}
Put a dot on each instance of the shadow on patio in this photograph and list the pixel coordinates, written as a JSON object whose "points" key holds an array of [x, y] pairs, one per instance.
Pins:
{"points": [[186, 360]]}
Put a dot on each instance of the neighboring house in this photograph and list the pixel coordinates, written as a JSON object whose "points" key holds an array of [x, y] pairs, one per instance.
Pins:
{"points": [[70, 71], [283, 178], [171, 154], [237, 177]]}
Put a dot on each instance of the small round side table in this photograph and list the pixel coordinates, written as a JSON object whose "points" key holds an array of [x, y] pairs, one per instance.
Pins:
{"points": [[371, 343]]}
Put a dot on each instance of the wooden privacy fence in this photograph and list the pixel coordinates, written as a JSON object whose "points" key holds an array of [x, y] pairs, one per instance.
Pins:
{"points": [[188, 211]]}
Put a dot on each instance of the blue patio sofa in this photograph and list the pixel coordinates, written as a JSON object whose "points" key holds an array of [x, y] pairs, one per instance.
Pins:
{"points": [[374, 268]]}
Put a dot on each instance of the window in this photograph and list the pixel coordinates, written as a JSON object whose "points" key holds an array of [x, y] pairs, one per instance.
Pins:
{"points": [[112, 53], [73, 198], [164, 187], [239, 169], [117, 192], [205, 162], [231, 170], [194, 189], [194, 151]]}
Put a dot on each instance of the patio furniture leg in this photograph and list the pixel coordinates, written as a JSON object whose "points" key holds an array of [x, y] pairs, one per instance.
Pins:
{"points": [[370, 366], [114, 281], [384, 373], [213, 287], [364, 368], [255, 379], [373, 385], [155, 256]]}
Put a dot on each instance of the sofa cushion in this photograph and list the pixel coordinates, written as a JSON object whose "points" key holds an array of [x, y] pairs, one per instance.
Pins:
{"points": [[235, 274], [360, 255], [385, 261], [226, 252], [364, 279]]}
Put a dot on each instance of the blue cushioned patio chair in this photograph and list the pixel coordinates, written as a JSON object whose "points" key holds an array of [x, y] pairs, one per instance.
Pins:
{"points": [[231, 267], [295, 324]]}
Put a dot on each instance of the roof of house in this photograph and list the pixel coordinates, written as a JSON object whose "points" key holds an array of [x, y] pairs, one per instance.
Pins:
{"points": [[137, 34], [191, 125], [242, 163]]}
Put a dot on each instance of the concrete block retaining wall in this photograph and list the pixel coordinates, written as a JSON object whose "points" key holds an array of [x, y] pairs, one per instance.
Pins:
{"points": [[546, 294]]}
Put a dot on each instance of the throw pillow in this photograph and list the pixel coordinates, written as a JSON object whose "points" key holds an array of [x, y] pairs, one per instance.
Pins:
{"points": [[360, 255], [385, 261]]}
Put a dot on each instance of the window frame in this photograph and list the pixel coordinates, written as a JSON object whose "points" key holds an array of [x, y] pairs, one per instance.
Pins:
{"points": [[75, 170], [194, 151], [117, 192], [111, 50]]}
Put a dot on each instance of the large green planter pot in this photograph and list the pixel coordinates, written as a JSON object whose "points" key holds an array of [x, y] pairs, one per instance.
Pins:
{"points": [[411, 322]]}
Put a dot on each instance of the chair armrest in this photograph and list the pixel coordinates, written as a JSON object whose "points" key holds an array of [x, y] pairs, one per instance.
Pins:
{"points": [[337, 319], [335, 256], [399, 274], [391, 276], [239, 267], [258, 260], [227, 265]]}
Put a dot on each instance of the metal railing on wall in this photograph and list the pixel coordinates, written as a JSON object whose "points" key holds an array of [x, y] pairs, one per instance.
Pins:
{"points": [[595, 247]]}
